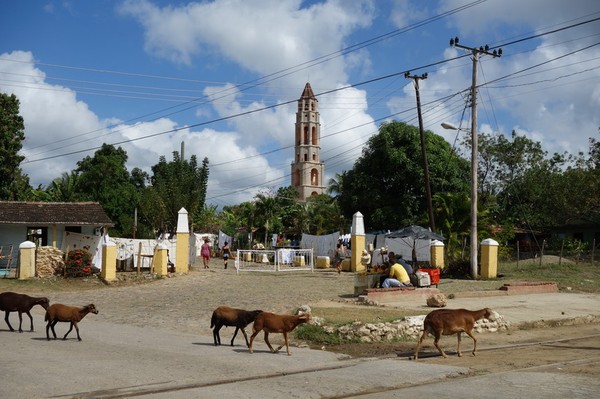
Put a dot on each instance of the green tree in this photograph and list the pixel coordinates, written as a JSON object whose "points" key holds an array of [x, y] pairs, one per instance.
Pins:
{"points": [[64, 188], [386, 183], [266, 210], [14, 185], [104, 178], [175, 185]]}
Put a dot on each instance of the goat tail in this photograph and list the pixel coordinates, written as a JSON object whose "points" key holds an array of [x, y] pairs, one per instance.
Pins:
{"points": [[47, 317], [213, 320]]}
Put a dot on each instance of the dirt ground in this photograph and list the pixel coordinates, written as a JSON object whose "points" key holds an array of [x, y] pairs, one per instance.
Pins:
{"points": [[503, 351], [185, 302]]}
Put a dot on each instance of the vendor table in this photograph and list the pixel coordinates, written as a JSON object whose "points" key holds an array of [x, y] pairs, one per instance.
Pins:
{"points": [[365, 281]]}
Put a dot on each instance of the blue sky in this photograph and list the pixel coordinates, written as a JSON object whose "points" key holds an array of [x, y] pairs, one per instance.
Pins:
{"points": [[149, 75]]}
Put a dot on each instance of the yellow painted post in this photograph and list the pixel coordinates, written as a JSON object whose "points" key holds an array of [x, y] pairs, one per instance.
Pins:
{"points": [[357, 242], [160, 260], [436, 251], [109, 261], [489, 258], [26, 260], [182, 263]]}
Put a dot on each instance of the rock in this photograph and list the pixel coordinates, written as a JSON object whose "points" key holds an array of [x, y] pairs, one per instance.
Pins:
{"points": [[304, 309], [438, 300]]}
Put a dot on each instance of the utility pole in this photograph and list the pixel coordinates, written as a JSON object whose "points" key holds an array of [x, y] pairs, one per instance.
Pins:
{"points": [[416, 79], [476, 53]]}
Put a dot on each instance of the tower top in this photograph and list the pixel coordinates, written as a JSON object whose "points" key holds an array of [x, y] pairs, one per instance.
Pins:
{"points": [[308, 92]]}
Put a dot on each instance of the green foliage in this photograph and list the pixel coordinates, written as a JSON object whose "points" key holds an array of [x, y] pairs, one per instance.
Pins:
{"points": [[317, 335], [14, 186], [386, 184], [104, 178], [175, 185]]}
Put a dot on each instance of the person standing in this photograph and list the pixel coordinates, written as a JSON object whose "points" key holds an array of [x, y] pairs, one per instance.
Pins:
{"points": [[340, 254], [205, 252], [226, 253]]}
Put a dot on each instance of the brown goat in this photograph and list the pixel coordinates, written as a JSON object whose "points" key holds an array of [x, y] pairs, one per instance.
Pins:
{"points": [[59, 312], [275, 323], [452, 321], [231, 317], [13, 302]]}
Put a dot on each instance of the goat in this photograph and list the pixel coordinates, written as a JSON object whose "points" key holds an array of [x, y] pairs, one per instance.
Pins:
{"points": [[59, 312], [452, 321], [275, 323], [231, 317], [13, 302]]}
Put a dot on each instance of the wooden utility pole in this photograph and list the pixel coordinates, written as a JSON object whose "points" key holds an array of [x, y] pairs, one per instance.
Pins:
{"points": [[476, 52], [416, 79]]}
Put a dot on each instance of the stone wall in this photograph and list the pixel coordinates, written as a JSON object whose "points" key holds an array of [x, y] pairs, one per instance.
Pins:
{"points": [[408, 327]]}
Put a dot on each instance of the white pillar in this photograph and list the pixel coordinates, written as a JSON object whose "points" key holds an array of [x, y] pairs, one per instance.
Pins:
{"points": [[182, 263]]}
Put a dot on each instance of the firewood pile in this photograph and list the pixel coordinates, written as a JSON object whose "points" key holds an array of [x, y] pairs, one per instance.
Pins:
{"points": [[49, 262]]}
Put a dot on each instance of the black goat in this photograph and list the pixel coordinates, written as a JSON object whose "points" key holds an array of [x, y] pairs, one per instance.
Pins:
{"points": [[226, 316], [13, 302]]}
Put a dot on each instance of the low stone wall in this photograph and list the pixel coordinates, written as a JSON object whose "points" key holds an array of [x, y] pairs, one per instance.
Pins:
{"points": [[408, 327], [397, 294]]}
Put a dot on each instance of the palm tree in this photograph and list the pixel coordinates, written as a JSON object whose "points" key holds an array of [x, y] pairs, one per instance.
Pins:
{"points": [[64, 188], [266, 207], [336, 185]]}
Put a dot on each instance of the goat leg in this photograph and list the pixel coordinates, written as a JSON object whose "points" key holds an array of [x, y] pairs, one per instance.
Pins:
{"points": [[70, 329], [474, 342], [30, 319], [77, 329], [436, 343], [216, 336], [8, 322], [20, 321], [245, 337], [419, 342], [287, 345], [268, 343], [459, 334], [252, 340]]}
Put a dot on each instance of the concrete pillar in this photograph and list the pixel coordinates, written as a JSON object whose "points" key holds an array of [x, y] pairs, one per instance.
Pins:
{"points": [[436, 251], [357, 242], [26, 260], [489, 258], [182, 262], [109, 261], [160, 260]]}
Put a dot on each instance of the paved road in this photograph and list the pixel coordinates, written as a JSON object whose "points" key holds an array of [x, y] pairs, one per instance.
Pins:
{"points": [[120, 360], [129, 361]]}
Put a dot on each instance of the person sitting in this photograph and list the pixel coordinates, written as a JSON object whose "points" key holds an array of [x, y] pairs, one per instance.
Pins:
{"points": [[397, 276], [405, 264]]}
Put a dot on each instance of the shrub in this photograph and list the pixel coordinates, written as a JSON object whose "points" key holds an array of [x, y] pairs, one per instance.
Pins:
{"points": [[78, 263]]}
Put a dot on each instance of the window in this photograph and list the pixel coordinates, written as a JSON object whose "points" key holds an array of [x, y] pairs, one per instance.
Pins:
{"points": [[38, 235]]}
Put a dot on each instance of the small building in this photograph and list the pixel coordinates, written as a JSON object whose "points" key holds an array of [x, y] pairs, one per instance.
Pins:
{"points": [[45, 223]]}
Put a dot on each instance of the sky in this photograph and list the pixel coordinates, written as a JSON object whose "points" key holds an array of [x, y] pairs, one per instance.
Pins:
{"points": [[221, 79]]}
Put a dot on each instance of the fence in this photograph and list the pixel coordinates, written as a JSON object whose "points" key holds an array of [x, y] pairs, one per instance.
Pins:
{"points": [[279, 260], [562, 251]]}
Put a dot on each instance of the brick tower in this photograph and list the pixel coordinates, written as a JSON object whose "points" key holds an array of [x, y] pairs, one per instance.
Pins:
{"points": [[307, 168]]}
